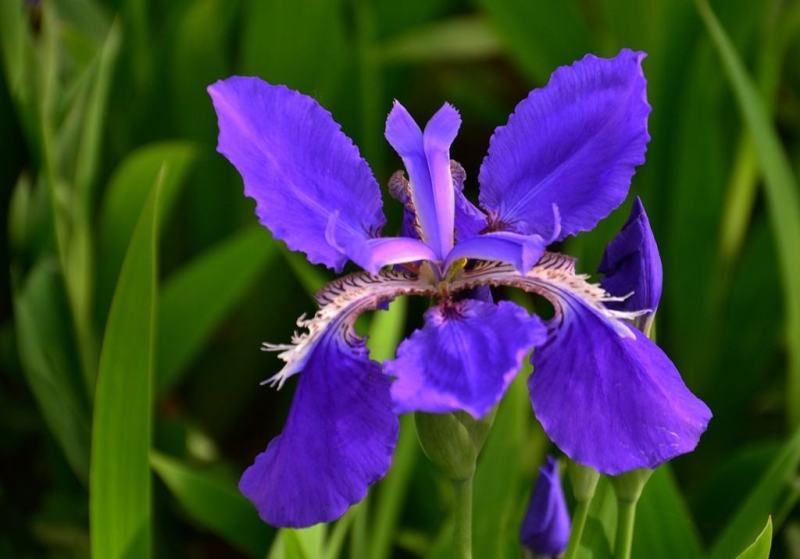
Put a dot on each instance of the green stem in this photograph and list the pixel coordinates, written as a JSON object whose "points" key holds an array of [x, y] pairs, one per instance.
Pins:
{"points": [[578, 524], [462, 509], [626, 516]]}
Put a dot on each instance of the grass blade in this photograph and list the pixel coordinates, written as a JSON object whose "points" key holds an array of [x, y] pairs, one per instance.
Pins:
{"points": [[184, 325], [214, 504], [457, 39], [748, 520], [781, 194], [42, 327], [120, 484], [759, 549]]}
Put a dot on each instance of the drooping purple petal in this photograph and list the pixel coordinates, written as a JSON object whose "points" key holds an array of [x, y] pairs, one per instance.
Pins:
{"points": [[632, 265], [523, 251], [607, 395], [338, 439], [574, 143], [464, 357], [546, 527], [426, 156], [298, 166]]}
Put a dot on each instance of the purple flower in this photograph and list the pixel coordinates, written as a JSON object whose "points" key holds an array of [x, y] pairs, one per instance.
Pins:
{"points": [[605, 394], [546, 527]]}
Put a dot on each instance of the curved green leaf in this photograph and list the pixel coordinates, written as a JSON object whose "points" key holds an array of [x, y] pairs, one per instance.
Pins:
{"points": [[199, 295], [759, 549], [214, 504]]}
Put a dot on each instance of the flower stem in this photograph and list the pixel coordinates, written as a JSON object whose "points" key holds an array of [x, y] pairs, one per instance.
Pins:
{"points": [[626, 516], [462, 509], [578, 523]]}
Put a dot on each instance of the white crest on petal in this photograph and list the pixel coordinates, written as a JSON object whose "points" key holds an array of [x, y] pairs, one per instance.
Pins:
{"points": [[553, 278], [340, 303]]}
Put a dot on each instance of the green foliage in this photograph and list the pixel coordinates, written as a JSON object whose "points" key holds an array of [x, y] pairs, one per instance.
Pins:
{"points": [[101, 99], [759, 549], [120, 499]]}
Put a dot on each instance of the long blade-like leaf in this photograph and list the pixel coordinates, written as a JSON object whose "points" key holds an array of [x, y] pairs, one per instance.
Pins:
{"points": [[120, 500], [183, 324], [214, 504], [781, 193], [760, 502]]}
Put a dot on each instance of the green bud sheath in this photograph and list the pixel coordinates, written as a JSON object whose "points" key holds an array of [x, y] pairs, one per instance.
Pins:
{"points": [[453, 441]]}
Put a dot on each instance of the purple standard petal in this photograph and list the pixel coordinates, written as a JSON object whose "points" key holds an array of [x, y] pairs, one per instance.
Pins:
{"points": [[574, 143], [546, 527], [607, 395], [338, 440], [632, 265], [299, 167], [522, 251], [426, 156], [469, 220], [464, 357]]}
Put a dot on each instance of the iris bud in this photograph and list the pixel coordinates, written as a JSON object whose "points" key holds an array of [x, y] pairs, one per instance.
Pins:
{"points": [[453, 441], [546, 527]]}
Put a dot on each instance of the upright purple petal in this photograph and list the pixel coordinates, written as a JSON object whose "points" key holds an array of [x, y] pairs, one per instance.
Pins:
{"points": [[464, 357], [299, 167], [632, 265], [426, 156], [607, 395], [574, 143], [546, 527], [522, 251]]}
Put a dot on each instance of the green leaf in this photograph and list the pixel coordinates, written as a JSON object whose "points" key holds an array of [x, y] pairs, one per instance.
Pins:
{"points": [[44, 338], [124, 201], [120, 499], [664, 527], [745, 525], [301, 44], [183, 324], [457, 39], [214, 504], [539, 35], [307, 543], [600, 531], [386, 332], [781, 192], [760, 548], [500, 490], [310, 277], [89, 150]]}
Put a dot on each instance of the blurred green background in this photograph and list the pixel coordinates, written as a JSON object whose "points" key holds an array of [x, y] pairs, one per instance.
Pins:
{"points": [[138, 417]]}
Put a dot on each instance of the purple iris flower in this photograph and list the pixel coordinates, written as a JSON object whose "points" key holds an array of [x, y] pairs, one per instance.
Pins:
{"points": [[604, 393], [546, 527]]}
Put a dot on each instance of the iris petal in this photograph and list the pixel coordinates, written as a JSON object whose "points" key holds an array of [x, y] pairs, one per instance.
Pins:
{"points": [[464, 357], [574, 143], [298, 166], [632, 265], [338, 440], [522, 251], [604, 393], [426, 156], [341, 429], [610, 400]]}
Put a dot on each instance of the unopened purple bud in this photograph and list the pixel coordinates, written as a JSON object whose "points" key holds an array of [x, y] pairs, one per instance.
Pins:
{"points": [[546, 527], [632, 266]]}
